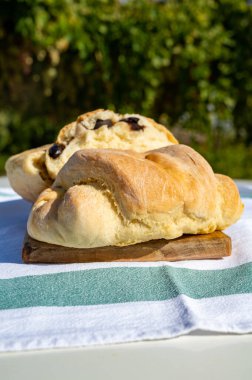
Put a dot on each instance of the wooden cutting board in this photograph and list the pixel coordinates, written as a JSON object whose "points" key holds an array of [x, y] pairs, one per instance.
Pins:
{"points": [[187, 247]]}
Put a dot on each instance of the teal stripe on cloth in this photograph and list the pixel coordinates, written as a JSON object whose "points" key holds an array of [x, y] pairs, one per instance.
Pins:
{"points": [[118, 285]]}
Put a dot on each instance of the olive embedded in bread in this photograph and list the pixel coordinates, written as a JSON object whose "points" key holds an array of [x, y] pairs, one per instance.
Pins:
{"points": [[99, 123], [133, 121], [56, 150]]}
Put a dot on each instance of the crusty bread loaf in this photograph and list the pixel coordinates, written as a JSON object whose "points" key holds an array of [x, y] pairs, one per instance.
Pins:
{"points": [[30, 172], [111, 197]]}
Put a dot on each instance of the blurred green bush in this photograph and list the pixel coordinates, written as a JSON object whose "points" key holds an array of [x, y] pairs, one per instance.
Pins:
{"points": [[186, 63]]}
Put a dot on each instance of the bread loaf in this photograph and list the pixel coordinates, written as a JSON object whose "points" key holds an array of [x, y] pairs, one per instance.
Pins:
{"points": [[27, 172], [32, 171], [112, 197]]}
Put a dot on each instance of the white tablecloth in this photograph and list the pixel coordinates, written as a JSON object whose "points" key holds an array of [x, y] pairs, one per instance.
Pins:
{"points": [[43, 306]]}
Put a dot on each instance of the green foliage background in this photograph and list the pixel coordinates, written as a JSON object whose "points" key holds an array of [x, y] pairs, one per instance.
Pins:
{"points": [[186, 63]]}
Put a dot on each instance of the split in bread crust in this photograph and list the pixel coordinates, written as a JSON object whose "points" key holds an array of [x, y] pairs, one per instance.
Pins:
{"points": [[111, 197], [98, 129]]}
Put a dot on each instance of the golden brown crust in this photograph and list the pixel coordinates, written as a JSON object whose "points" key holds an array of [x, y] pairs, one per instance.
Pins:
{"points": [[111, 197], [230, 198]]}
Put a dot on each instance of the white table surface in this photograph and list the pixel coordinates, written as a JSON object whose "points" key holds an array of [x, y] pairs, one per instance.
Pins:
{"points": [[202, 356], [199, 355]]}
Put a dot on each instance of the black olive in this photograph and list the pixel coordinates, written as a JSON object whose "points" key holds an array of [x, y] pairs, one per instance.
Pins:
{"points": [[136, 127], [133, 121], [99, 123], [56, 150]]}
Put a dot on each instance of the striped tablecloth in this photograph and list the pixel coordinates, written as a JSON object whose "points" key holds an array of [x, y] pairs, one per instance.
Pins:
{"points": [[44, 306]]}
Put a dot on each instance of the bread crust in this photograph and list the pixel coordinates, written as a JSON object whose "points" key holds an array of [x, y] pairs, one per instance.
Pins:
{"points": [[111, 197]]}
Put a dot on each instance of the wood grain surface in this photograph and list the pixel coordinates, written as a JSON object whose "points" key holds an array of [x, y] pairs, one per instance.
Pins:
{"points": [[188, 247]]}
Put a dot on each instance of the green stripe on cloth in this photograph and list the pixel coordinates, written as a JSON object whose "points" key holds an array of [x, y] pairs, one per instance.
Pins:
{"points": [[119, 285]]}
